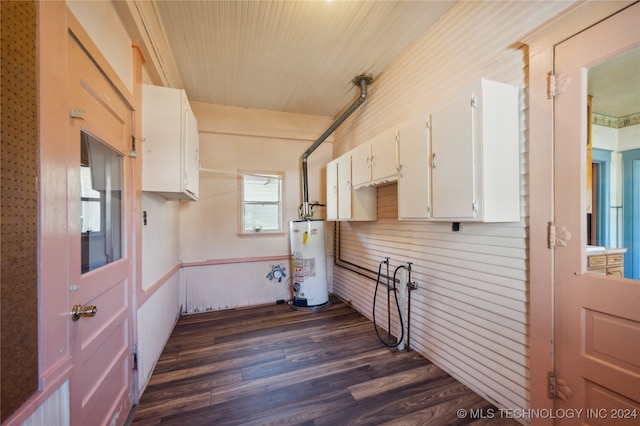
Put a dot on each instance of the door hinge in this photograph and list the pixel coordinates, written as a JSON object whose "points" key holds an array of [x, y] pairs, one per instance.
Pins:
{"points": [[552, 384], [558, 83], [135, 361]]}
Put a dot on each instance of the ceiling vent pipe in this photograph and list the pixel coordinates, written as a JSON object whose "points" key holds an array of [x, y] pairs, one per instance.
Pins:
{"points": [[362, 81]]}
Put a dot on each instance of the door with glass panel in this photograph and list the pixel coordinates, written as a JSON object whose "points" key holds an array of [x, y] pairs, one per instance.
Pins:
{"points": [[597, 310], [99, 228]]}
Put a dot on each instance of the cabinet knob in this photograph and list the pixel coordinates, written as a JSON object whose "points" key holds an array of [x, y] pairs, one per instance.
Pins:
{"points": [[434, 161]]}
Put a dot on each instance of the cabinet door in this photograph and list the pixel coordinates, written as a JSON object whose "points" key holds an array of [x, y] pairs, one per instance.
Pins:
{"points": [[361, 165], [414, 174], [344, 187], [331, 202], [452, 159], [191, 154], [384, 158]]}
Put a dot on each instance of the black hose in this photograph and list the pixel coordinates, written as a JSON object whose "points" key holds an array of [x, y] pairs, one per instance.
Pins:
{"points": [[375, 295]]}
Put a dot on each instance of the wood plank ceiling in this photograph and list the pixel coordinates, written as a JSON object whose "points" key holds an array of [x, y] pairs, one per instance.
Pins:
{"points": [[300, 56], [290, 56]]}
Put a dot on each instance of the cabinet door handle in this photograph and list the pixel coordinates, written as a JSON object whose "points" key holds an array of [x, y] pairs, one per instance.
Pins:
{"points": [[335, 189], [367, 162], [348, 185], [434, 161], [373, 161], [401, 170]]}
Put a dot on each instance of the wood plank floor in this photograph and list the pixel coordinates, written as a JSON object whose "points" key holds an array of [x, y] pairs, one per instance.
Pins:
{"points": [[274, 365]]}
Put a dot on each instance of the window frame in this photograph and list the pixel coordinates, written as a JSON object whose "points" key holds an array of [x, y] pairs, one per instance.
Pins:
{"points": [[241, 202]]}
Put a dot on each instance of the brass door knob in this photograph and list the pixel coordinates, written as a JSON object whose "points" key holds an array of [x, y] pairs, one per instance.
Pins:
{"points": [[83, 311]]}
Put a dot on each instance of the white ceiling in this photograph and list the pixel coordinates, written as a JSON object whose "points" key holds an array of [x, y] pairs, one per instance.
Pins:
{"points": [[291, 56], [300, 56], [615, 85]]}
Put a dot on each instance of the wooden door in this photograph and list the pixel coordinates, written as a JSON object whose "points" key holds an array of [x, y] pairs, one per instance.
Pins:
{"points": [[99, 201], [597, 317]]}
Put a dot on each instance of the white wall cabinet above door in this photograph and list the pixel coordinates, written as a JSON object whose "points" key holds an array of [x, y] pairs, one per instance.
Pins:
{"points": [[171, 144], [475, 164], [343, 202], [414, 171], [375, 162]]}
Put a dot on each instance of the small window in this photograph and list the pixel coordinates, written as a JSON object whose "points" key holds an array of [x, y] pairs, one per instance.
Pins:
{"points": [[101, 209], [261, 202]]}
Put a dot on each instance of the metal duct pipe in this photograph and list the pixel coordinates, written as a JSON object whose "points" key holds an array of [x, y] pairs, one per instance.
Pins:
{"points": [[362, 81]]}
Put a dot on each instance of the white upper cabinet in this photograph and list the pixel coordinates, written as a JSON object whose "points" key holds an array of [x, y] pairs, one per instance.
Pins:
{"points": [[171, 144], [375, 162], [475, 164], [460, 163], [414, 172], [343, 202]]}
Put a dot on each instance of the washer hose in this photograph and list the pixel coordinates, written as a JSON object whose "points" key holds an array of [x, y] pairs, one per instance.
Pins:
{"points": [[375, 295]]}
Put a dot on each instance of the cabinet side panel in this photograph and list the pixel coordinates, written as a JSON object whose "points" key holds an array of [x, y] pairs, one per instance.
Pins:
{"points": [[192, 156], [162, 133]]}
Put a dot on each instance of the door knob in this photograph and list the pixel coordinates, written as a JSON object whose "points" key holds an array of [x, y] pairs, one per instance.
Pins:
{"points": [[83, 311]]}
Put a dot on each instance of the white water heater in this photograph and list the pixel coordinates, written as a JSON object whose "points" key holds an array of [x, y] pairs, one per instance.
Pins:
{"points": [[309, 263]]}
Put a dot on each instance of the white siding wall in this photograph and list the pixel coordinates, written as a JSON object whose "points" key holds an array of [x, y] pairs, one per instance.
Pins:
{"points": [[470, 313]]}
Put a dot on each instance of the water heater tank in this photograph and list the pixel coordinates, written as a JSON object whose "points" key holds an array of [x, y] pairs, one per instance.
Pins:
{"points": [[309, 263]]}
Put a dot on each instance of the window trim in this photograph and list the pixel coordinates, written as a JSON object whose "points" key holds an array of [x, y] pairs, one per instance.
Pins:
{"points": [[240, 208]]}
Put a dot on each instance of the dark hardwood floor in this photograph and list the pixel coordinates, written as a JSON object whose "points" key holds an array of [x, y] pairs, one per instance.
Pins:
{"points": [[274, 365]]}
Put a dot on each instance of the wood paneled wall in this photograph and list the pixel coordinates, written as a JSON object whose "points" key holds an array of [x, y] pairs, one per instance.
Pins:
{"points": [[470, 314]]}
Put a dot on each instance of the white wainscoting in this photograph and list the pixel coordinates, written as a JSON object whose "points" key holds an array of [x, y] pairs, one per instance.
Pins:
{"points": [[54, 411], [212, 287], [156, 319]]}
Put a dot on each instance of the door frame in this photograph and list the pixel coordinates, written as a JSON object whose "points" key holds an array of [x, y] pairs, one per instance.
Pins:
{"points": [[631, 198], [541, 183]]}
